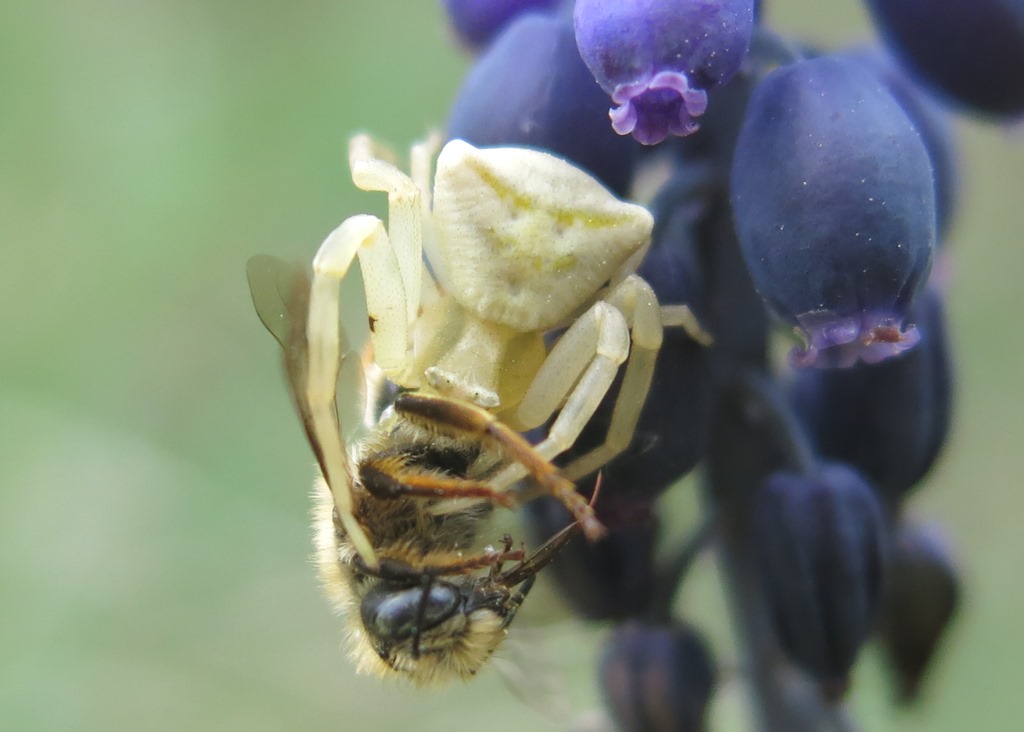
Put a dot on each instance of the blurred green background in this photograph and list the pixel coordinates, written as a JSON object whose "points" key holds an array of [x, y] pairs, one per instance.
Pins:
{"points": [[153, 511]]}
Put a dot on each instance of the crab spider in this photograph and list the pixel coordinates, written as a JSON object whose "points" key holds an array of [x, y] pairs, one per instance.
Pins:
{"points": [[518, 243]]}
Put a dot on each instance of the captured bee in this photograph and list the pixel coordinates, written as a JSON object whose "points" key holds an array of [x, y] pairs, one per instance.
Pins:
{"points": [[517, 243]]}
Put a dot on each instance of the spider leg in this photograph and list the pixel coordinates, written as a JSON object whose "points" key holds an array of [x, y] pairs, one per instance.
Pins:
{"points": [[283, 300], [365, 237], [405, 210], [576, 375], [635, 299]]}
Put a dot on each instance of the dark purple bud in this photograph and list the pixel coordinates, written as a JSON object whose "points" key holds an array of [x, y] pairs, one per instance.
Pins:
{"points": [[922, 592], [933, 123], [819, 542], [531, 88], [834, 204], [477, 22], [609, 579], [970, 51], [889, 420], [657, 678], [658, 59]]}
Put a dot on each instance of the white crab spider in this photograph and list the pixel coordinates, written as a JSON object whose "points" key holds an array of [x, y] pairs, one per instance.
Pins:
{"points": [[518, 243]]}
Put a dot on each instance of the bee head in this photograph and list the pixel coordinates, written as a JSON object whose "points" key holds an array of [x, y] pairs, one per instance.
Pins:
{"points": [[436, 630]]}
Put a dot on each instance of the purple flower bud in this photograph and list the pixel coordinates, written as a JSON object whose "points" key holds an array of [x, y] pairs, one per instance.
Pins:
{"points": [[834, 203], [531, 88], [657, 678], [658, 59], [819, 540], [922, 592], [478, 21], [933, 123], [971, 51]]}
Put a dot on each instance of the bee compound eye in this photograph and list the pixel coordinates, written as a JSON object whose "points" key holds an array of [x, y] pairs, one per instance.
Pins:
{"points": [[396, 614]]}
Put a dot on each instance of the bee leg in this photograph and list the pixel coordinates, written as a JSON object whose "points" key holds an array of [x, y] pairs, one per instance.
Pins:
{"points": [[486, 558], [531, 565], [507, 556], [457, 418], [383, 480]]}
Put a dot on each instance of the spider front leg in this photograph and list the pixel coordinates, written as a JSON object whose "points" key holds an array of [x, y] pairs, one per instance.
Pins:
{"points": [[576, 375], [361, 236], [580, 370], [386, 299], [638, 303]]}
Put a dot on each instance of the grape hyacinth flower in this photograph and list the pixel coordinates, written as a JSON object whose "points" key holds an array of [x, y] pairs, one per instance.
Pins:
{"points": [[531, 88], [821, 548], [933, 123], [658, 59], [720, 125], [920, 601], [834, 202], [657, 678]]}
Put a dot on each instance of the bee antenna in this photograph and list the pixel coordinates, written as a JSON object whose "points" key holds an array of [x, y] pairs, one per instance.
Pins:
{"points": [[421, 615]]}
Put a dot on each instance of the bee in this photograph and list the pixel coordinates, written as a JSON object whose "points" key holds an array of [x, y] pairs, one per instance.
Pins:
{"points": [[518, 244]]}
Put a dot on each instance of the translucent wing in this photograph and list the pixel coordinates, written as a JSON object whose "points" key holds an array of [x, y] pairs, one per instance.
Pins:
{"points": [[526, 666], [272, 283], [280, 294]]}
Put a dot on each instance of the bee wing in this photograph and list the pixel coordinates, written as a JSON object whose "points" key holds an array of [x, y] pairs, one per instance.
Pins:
{"points": [[271, 285], [280, 294], [528, 670], [526, 663]]}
